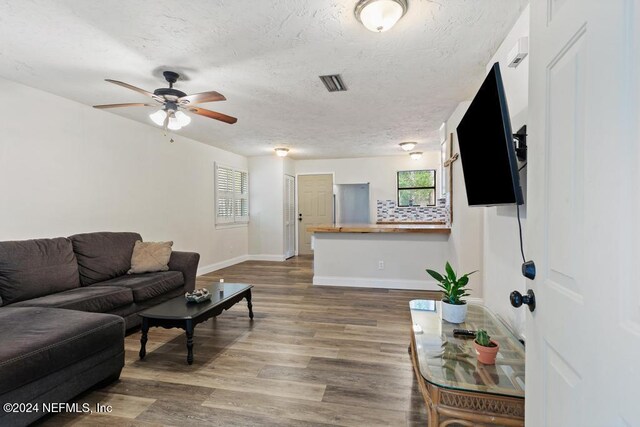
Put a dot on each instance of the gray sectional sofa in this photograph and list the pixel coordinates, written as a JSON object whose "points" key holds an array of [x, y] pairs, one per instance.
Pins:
{"points": [[65, 304]]}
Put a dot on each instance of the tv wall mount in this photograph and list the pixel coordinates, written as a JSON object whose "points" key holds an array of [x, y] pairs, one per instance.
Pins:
{"points": [[520, 141]]}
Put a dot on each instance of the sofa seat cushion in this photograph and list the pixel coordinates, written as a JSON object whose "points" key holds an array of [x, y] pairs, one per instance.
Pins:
{"points": [[103, 255], [41, 341], [32, 268], [95, 299], [148, 285]]}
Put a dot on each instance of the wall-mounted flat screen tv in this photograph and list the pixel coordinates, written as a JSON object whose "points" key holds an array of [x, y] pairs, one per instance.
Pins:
{"points": [[487, 150]]}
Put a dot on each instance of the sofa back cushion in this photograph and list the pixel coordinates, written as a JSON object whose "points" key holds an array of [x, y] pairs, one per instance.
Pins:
{"points": [[34, 268], [103, 255]]}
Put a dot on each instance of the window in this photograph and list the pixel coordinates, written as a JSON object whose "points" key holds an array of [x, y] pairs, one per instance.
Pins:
{"points": [[232, 195], [417, 188]]}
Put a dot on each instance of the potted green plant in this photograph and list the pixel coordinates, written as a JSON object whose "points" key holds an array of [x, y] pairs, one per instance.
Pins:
{"points": [[486, 348], [454, 307]]}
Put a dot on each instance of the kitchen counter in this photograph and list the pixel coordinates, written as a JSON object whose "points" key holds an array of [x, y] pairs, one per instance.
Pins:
{"points": [[380, 228], [390, 256]]}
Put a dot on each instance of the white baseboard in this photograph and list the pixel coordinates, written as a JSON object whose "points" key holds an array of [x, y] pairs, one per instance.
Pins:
{"points": [[266, 257], [222, 264], [364, 282], [237, 260]]}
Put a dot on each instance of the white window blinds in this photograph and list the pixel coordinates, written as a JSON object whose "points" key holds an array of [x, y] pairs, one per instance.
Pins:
{"points": [[232, 195]]}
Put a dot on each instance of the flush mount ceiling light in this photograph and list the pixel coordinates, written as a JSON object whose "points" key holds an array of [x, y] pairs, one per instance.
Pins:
{"points": [[282, 152], [416, 155], [380, 15], [407, 146]]}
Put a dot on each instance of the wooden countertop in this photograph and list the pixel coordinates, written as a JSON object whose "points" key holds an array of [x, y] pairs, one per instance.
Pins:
{"points": [[380, 228], [411, 222]]}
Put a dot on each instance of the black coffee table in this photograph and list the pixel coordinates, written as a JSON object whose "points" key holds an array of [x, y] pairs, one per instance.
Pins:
{"points": [[178, 313]]}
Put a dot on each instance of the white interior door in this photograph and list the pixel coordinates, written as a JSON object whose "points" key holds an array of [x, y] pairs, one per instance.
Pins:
{"points": [[289, 217], [583, 339], [315, 206]]}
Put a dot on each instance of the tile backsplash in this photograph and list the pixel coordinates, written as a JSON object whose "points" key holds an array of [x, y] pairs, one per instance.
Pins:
{"points": [[388, 211]]}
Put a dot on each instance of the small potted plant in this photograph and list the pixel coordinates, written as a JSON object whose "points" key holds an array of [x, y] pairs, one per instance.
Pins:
{"points": [[486, 348], [454, 307]]}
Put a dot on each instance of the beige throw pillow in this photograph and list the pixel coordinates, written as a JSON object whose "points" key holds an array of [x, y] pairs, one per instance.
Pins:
{"points": [[148, 257]]}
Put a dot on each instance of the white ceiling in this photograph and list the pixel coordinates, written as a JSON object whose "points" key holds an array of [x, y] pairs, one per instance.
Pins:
{"points": [[265, 57]]}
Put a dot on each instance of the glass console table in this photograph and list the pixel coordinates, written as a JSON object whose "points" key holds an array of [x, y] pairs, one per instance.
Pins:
{"points": [[457, 388]]}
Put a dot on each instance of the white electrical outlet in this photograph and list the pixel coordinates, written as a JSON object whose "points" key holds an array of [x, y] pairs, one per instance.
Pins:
{"points": [[381, 265]]}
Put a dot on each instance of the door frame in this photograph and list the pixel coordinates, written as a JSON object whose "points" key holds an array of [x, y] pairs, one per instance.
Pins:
{"points": [[333, 179], [295, 214]]}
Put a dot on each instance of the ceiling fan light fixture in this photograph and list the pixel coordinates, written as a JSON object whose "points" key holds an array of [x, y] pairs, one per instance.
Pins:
{"points": [[282, 152], [174, 123], [380, 15], [408, 146], [416, 155], [158, 117], [182, 118]]}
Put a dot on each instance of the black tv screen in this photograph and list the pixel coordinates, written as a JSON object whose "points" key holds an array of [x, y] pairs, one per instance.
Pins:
{"points": [[487, 150]]}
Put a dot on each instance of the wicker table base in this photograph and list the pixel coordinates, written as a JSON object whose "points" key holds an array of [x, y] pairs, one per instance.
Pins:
{"points": [[448, 407]]}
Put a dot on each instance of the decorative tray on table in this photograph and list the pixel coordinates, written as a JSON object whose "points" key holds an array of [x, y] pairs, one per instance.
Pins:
{"points": [[198, 295]]}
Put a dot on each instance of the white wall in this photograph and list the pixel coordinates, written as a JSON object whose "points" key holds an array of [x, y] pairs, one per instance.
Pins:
{"points": [[266, 206], [289, 166], [380, 172], [500, 250], [352, 259], [67, 168], [502, 259], [467, 229]]}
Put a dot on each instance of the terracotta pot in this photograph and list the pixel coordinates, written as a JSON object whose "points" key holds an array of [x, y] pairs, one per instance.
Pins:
{"points": [[487, 355], [454, 313]]}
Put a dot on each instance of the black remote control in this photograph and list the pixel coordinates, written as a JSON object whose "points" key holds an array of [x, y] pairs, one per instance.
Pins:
{"points": [[464, 333]]}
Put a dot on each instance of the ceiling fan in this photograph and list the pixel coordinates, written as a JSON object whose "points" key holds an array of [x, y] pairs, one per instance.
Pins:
{"points": [[171, 103]]}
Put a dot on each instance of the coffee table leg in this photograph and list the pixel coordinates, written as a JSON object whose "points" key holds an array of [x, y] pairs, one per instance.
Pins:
{"points": [[143, 338], [248, 297], [189, 329]]}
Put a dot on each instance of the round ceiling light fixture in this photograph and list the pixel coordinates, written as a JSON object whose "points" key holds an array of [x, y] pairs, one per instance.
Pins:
{"points": [[408, 146], [282, 152], [380, 15], [416, 155]]}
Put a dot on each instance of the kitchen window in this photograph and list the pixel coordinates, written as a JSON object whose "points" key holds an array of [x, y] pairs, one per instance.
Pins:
{"points": [[417, 188], [232, 195]]}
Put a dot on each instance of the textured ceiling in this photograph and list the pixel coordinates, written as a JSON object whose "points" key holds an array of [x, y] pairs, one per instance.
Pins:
{"points": [[265, 57]]}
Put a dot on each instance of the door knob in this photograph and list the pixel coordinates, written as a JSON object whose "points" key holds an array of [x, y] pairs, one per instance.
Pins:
{"points": [[517, 299], [299, 217]]}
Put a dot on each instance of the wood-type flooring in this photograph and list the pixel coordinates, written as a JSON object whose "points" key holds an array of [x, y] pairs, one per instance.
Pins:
{"points": [[312, 356]]}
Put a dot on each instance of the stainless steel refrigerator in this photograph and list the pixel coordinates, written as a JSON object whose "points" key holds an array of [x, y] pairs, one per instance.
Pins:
{"points": [[351, 204]]}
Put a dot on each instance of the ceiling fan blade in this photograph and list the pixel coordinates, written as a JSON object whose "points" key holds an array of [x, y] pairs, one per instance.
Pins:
{"points": [[213, 115], [130, 104], [137, 89], [198, 98]]}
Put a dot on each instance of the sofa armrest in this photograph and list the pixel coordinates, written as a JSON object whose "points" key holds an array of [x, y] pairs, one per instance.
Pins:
{"points": [[187, 263]]}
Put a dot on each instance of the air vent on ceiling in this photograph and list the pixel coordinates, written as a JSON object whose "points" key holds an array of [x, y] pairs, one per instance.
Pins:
{"points": [[333, 83]]}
